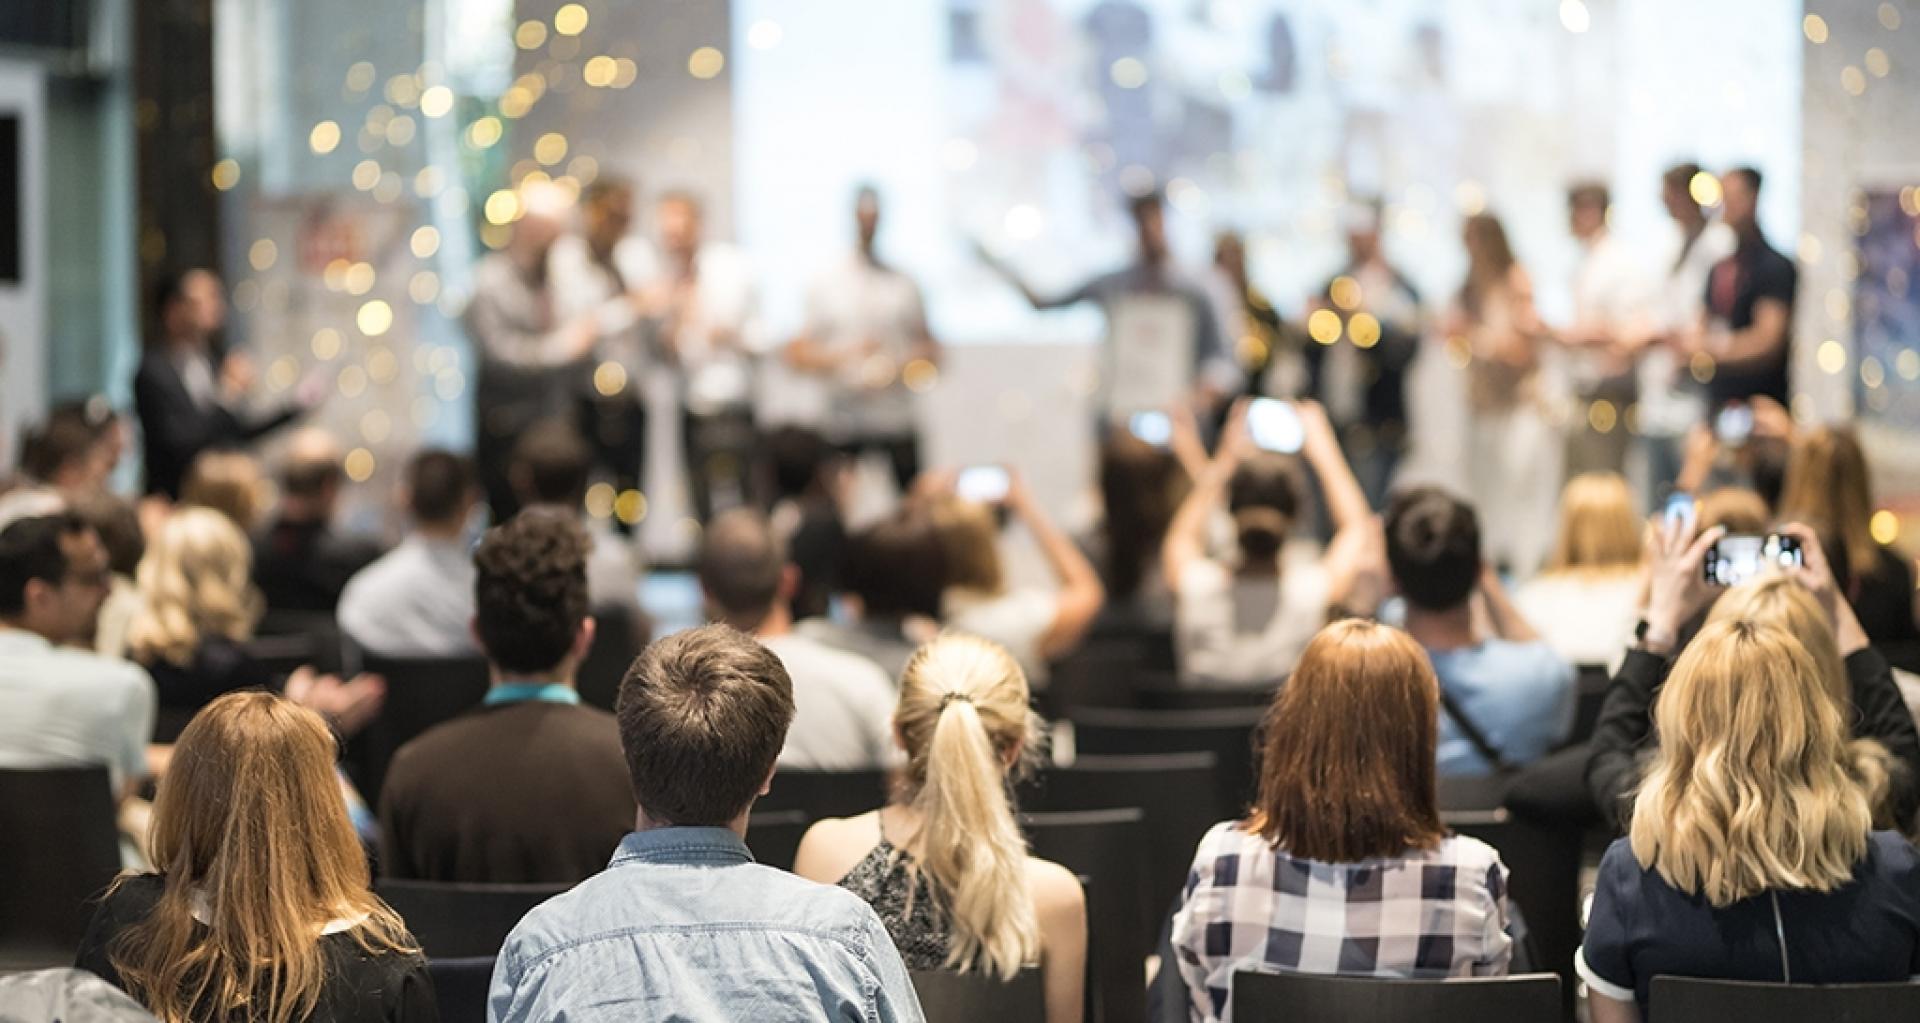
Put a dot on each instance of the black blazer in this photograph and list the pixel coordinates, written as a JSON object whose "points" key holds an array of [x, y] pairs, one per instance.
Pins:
{"points": [[174, 430]]}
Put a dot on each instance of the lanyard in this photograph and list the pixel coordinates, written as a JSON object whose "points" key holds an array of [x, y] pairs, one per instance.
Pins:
{"points": [[531, 692]]}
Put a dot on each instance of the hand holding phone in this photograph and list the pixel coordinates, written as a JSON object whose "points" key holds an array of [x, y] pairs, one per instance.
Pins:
{"points": [[1737, 559], [1275, 426]]}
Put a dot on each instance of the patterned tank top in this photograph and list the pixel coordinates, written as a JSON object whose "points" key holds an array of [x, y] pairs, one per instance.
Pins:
{"points": [[905, 902]]}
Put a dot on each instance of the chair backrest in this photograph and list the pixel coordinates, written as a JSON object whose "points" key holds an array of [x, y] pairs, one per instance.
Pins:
{"points": [[457, 921], [1100, 673], [460, 986], [1543, 870], [1160, 693], [1176, 790], [1688, 998], [421, 692], [59, 849], [1100, 847], [826, 793], [947, 997], [1279, 997], [1227, 733], [773, 836], [616, 642]]}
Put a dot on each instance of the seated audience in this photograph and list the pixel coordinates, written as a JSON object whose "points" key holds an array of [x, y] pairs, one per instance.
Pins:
{"points": [[1829, 488], [551, 465], [891, 584], [683, 924], [1586, 601], [530, 787], [301, 563], [118, 525], [1343, 866], [61, 704], [1140, 487], [945, 865], [198, 610], [416, 600], [1245, 621], [77, 447], [842, 703], [810, 480], [230, 483], [259, 907], [1751, 853], [1736, 510], [1806, 603], [1037, 626]]}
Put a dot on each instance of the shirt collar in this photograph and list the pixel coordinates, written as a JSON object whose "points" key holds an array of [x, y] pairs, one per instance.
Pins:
{"points": [[531, 692], [683, 845], [23, 639]]}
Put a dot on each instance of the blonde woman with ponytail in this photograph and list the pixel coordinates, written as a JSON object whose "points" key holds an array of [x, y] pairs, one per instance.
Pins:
{"points": [[945, 865]]}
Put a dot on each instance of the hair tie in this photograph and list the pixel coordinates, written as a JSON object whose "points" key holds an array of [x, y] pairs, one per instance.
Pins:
{"points": [[947, 698]]}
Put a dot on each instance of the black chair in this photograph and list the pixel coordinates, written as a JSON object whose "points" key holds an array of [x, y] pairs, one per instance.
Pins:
{"points": [[59, 849], [1282, 997], [1687, 999], [421, 692], [1543, 865], [460, 921], [1162, 693], [826, 793], [1100, 846], [947, 997], [1102, 672], [617, 640], [460, 986], [1175, 791], [284, 654], [774, 836], [1227, 733], [313, 636]]}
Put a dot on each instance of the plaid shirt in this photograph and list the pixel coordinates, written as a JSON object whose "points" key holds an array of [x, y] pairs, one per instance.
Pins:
{"points": [[1248, 906]]}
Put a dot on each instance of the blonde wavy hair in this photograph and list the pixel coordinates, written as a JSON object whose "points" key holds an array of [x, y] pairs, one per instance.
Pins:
{"points": [[1599, 531], [250, 825], [1750, 790], [195, 581], [964, 721]]}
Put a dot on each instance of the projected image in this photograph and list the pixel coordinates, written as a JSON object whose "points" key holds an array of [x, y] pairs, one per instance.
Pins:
{"points": [[1886, 306]]}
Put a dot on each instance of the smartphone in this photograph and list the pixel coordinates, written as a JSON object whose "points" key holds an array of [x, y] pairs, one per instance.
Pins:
{"points": [[1733, 425], [1155, 428], [1679, 510], [1735, 559], [1275, 426], [985, 484]]}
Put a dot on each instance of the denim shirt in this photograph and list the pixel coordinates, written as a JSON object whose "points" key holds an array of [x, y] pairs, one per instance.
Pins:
{"points": [[683, 925]]}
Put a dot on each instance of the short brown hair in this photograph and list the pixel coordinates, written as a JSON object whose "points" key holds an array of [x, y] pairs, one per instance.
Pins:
{"points": [[703, 714], [530, 589], [1347, 765]]}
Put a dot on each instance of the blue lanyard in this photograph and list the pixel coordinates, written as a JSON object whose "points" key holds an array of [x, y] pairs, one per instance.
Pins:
{"points": [[531, 692]]}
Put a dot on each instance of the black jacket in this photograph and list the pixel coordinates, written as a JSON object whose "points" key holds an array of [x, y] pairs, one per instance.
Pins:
{"points": [[174, 430]]}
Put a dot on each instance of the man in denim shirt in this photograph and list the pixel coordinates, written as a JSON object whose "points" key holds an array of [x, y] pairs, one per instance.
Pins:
{"points": [[683, 924]]}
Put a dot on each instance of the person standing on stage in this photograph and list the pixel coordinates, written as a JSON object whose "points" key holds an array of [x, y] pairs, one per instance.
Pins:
{"points": [[534, 356], [597, 271], [1749, 304], [1164, 340], [1609, 300], [865, 323], [703, 298], [1252, 325], [191, 394]]}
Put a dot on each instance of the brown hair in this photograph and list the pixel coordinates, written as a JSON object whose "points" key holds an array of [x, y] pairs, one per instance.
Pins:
{"points": [[1489, 260], [1738, 509], [1140, 487], [530, 589], [1347, 766], [250, 824], [1599, 531], [229, 482], [703, 714], [1828, 487], [970, 538]]}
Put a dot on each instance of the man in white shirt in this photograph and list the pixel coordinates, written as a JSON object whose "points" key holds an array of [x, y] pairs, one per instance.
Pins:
{"points": [[417, 599], [843, 703], [60, 704], [1608, 305], [866, 323]]}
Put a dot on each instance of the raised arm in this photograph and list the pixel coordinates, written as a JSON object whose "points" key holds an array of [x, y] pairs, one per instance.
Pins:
{"points": [[1346, 501], [1185, 542], [1081, 592]]}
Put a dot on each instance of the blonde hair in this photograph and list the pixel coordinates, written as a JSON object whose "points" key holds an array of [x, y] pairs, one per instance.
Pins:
{"points": [[1827, 486], [1599, 532], [229, 482], [963, 717], [195, 580], [1750, 790], [250, 825], [971, 540]]}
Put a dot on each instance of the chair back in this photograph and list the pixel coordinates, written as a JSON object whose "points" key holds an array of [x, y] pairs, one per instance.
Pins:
{"points": [[1689, 998], [616, 642], [459, 921], [947, 997], [1103, 670], [1100, 847], [421, 692], [59, 849], [1543, 868], [1227, 733], [773, 836], [460, 986], [1164, 693], [825, 794], [1283, 997]]}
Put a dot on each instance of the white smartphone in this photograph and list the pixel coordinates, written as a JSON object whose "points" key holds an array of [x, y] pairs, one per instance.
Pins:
{"points": [[985, 484], [1155, 428], [1275, 426]]}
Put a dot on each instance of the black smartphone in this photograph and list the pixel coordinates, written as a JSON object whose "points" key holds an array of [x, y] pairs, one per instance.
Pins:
{"points": [[1735, 559]]}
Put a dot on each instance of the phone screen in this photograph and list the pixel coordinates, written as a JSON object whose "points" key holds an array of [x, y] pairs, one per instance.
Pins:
{"points": [[1679, 509], [1155, 428], [1733, 425], [1275, 426], [1737, 559], [985, 484]]}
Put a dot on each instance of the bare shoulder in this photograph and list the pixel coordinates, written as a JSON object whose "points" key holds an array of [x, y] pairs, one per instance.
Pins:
{"points": [[1054, 887], [833, 846]]}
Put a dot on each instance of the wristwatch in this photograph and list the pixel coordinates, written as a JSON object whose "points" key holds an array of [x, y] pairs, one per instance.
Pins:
{"points": [[1651, 642]]}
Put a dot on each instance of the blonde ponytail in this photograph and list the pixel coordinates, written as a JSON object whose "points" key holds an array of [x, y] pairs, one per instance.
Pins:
{"points": [[963, 715]]}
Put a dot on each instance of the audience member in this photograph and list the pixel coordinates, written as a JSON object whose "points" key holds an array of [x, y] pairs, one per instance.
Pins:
{"points": [[301, 562], [1829, 488], [1585, 602], [1735, 510], [1245, 623], [230, 483], [1036, 625], [810, 480], [945, 865], [683, 924], [60, 704], [259, 908], [198, 609], [843, 703], [1507, 698], [416, 600], [891, 584], [1750, 826], [551, 465], [76, 448], [1343, 865], [1141, 485], [529, 787], [118, 526]]}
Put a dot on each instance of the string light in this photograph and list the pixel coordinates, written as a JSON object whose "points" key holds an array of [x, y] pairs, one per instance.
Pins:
{"points": [[324, 138], [705, 62]]}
